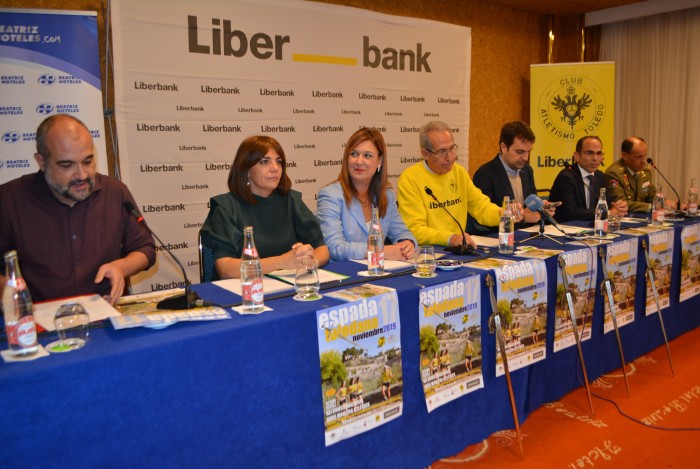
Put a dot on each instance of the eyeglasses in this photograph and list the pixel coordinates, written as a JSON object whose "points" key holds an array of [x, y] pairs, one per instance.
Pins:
{"points": [[591, 153], [444, 152]]}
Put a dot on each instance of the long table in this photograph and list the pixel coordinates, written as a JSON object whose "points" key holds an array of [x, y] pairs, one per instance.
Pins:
{"points": [[246, 392]]}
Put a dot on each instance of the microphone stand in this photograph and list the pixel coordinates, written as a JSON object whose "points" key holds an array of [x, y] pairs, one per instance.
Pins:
{"points": [[541, 235], [678, 197]]}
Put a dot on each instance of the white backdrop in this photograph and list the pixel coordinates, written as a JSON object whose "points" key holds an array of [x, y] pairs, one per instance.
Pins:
{"points": [[194, 79]]}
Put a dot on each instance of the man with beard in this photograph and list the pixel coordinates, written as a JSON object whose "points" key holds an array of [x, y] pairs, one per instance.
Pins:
{"points": [[68, 223]]}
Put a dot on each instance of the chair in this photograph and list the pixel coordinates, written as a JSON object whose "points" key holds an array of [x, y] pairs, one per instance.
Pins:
{"points": [[206, 261]]}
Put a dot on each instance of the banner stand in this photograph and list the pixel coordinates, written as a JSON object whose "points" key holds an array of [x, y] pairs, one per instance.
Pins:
{"points": [[574, 326], [607, 287], [495, 327], [652, 281]]}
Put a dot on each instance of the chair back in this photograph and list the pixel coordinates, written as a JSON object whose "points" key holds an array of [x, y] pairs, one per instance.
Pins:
{"points": [[206, 261]]}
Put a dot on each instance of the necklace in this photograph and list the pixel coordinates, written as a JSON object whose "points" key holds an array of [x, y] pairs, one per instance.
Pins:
{"points": [[363, 202]]}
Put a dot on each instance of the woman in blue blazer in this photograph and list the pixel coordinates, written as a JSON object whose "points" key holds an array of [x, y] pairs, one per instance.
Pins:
{"points": [[345, 205]]}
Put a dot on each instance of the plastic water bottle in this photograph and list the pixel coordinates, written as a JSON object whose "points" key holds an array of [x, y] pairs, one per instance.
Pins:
{"points": [[251, 275], [19, 310], [693, 197], [600, 225], [658, 208], [506, 229], [375, 245]]}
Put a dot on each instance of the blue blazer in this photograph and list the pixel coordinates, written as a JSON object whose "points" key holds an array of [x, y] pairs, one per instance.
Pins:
{"points": [[345, 229]]}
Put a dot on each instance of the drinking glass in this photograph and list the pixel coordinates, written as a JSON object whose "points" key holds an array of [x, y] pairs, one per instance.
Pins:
{"points": [[613, 225], [515, 211], [306, 282], [425, 261], [72, 326]]}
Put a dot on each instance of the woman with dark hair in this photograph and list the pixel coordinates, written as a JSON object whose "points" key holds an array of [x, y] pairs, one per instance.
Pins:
{"points": [[260, 196], [345, 205]]}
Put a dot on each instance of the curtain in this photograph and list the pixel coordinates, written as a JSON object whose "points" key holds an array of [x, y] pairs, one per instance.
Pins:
{"points": [[657, 96]]}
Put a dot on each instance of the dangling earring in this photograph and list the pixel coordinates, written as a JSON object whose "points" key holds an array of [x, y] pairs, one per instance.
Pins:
{"points": [[247, 183], [379, 168]]}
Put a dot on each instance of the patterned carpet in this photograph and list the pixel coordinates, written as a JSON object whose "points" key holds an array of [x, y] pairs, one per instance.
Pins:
{"points": [[563, 434]]}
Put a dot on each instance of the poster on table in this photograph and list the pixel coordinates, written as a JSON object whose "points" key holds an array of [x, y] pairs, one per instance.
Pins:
{"points": [[449, 318], [621, 263], [521, 292], [360, 353], [581, 270], [49, 64], [661, 261], [690, 262], [193, 81]]}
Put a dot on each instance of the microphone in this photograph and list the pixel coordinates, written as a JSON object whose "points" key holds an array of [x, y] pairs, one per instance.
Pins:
{"points": [[570, 167], [651, 162], [536, 204], [464, 248], [189, 299]]}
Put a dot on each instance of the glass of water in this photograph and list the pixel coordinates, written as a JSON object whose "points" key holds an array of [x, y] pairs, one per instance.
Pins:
{"points": [[425, 261], [72, 326], [306, 282]]}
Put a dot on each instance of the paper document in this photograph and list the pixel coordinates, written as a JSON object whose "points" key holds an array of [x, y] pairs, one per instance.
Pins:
{"points": [[394, 265], [270, 285], [97, 307], [485, 241], [324, 276]]}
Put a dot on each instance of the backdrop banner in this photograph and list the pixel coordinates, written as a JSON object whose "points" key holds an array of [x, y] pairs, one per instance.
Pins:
{"points": [[567, 102], [192, 81], [49, 64]]}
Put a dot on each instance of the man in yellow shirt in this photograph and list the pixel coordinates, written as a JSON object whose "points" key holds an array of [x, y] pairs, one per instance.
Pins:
{"points": [[427, 219]]}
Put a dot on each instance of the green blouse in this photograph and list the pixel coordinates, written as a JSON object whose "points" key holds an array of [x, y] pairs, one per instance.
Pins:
{"points": [[278, 221]]}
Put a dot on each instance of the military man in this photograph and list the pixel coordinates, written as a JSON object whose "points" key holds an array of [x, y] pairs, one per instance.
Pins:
{"points": [[629, 177]]}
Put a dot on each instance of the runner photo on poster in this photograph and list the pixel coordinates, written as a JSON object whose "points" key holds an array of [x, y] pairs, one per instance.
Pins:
{"points": [[360, 354], [521, 290], [621, 263], [690, 262], [661, 260], [449, 317], [581, 273]]}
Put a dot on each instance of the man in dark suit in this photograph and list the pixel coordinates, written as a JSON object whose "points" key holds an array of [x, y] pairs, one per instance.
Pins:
{"points": [[578, 186], [508, 173]]}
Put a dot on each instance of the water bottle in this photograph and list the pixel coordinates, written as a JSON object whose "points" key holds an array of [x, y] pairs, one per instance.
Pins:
{"points": [[251, 275], [693, 198], [600, 225], [19, 310], [506, 229], [375, 245], [658, 208]]}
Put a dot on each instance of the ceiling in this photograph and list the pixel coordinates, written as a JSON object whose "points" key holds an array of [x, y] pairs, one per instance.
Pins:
{"points": [[562, 7]]}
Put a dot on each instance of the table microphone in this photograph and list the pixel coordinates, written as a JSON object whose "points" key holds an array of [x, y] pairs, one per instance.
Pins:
{"points": [[189, 299], [462, 249], [568, 166], [651, 162], [536, 204]]}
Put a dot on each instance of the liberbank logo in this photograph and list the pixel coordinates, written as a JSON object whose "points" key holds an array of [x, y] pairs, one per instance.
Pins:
{"points": [[225, 40], [572, 106]]}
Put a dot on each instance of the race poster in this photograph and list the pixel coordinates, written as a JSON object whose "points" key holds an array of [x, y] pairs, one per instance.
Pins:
{"points": [[581, 271], [661, 261], [690, 262], [521, 290], [449, 317], [621, 263], [360, 354]]}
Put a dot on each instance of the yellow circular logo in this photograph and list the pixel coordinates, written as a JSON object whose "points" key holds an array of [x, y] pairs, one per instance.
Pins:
{"points": [[572, 106]]}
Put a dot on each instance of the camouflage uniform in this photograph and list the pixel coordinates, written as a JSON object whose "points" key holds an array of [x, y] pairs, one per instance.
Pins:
{"points": [[638, 191]]}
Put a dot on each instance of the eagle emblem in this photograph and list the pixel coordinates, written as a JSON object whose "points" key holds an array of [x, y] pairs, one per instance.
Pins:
{"points": [[572, 106]]}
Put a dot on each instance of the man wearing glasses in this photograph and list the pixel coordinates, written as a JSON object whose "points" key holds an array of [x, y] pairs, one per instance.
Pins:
{"points": [[630, 177], [578, 186], [455, 195]]}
